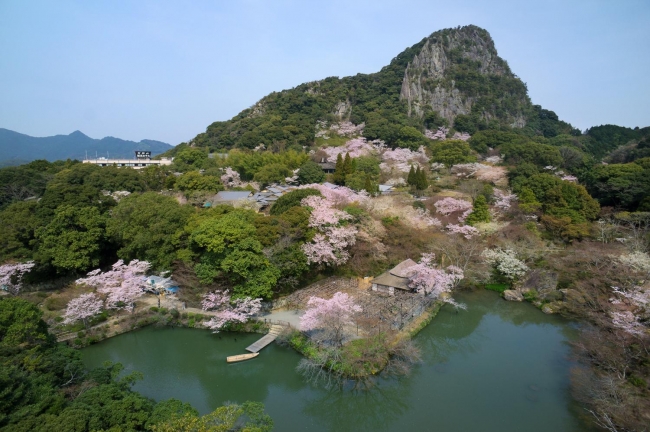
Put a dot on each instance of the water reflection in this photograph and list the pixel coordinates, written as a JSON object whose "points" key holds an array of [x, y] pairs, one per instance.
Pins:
{"points": [[498, 366], [372, 410]]}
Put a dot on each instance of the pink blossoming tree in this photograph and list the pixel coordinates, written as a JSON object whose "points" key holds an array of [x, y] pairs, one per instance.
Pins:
{"points": [[450, 205], [11, 276], [228, 310], [328, 247], [83, 308], [427, 279], [231, 178], [465, 230], [329, 318], [503, 200], [338, 195], [401, 159], [123, 284], [347, 128]]}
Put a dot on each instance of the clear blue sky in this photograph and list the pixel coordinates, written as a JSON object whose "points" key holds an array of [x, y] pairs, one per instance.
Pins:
{"points": [[166, 69]]}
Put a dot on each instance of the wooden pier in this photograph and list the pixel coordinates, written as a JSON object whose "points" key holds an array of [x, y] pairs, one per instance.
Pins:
{"points": [[266, 339]]}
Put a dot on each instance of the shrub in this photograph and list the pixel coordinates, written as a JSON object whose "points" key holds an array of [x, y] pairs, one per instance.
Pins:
{"points": [[500, 288]]}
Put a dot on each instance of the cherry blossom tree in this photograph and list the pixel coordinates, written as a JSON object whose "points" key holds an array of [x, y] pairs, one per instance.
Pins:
{"points": [[492, 174], [634, 304], [122, 284], [505, 262], [329, 317], [228, 310], [328, 247], [347, 128], [465, 230], [323, 213], [628, 322], [11, 276], [231, 178], [338, 195], [637, 261], [83, 308], [450, 205], [355, 147], [427, 279], [503, 200], [401, 159]]}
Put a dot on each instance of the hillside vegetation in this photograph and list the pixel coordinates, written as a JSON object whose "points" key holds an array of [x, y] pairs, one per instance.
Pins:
{"points": [[488, 191]]}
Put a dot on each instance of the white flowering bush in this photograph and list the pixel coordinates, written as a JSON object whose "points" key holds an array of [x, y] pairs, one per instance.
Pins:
{"points": [[505, 262], [639, 261]]}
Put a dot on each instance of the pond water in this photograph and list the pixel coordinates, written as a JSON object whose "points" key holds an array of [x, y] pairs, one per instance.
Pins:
{"points": [[499, 366]]}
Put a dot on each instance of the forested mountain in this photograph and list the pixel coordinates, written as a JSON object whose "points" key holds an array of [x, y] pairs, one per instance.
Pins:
{"points": [[452, 78], [17, 148]]}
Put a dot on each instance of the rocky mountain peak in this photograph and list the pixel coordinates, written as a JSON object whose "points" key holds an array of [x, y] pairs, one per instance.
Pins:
{"points": [[452, 72]]}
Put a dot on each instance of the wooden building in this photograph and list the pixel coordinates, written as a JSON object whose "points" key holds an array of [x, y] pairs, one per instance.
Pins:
{"points": [[396, 278]]}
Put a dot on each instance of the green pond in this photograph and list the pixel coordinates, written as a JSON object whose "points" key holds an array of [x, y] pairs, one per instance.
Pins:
{"points": [[499, 366]]}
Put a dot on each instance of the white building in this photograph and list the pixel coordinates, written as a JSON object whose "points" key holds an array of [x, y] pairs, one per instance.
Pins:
{"points": [[142, 160]]}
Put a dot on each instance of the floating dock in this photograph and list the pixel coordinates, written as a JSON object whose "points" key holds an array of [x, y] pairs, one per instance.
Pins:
{"points": [[266, 339]]}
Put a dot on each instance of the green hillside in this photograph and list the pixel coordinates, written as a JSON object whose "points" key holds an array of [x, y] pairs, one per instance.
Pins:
{"points": [[454, 77]]}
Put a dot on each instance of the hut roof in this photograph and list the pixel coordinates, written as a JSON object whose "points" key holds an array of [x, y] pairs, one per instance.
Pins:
{"points": [[402, 269], [393, 281]]}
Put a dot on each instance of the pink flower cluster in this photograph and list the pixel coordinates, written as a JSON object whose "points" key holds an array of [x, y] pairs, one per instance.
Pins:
{"points": [[401, 159], [465, 230], [123, 284], [450, 205], [492, 174], [628, 322], [323, 214], [338, 195], [347, 128], [503, 200], [11, 276], [83, 307], [422, 215], [231, 178], [337, 312], [429, 280], [228, 310], [355, 147], [440, 134], [328, 247]]}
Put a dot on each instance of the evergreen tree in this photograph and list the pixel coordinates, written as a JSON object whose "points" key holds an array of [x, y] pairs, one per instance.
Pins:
{"points": [[371, 187], [339, 171], [348, 166], [480, 212], [410, 180], [421, 180]]}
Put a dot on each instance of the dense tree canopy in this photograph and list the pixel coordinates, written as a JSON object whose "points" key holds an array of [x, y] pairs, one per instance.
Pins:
{"points": [[149, 227]]}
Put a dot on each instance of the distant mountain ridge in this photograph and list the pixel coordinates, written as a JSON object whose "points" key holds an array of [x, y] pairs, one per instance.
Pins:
{"points": [[17, 148]]}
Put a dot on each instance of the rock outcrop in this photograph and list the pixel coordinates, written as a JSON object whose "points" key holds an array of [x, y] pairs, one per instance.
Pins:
{"points": [[430, 77], [513, 295]]}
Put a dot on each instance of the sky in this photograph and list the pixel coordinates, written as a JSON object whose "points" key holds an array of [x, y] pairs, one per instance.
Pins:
{"points": [[165, 70]]}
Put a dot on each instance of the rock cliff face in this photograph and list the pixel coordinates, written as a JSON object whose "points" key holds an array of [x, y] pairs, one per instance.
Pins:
{"points": [[431, 78]]}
